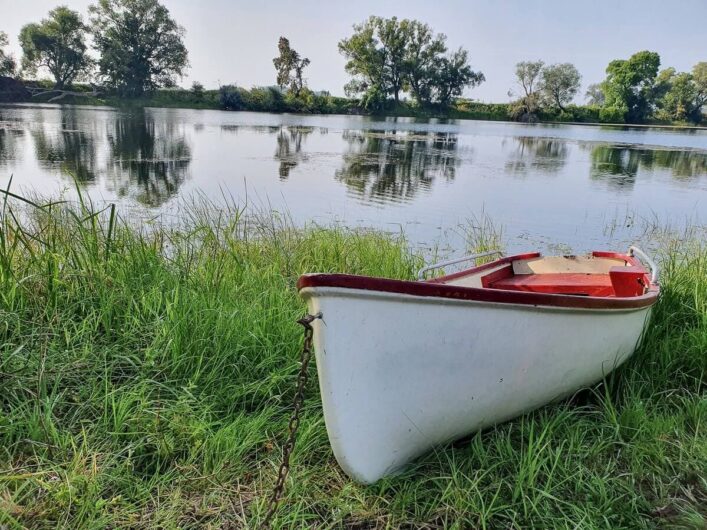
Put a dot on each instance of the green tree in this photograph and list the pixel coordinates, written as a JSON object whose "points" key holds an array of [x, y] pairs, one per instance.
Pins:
{"points": [[422, 56], [365, 59], [559, 83], [58, 44], [375, 56], [629, 86], [394, 37], [7, 61], [680, 100], [452, 75], [290, 67], [528, 78], [681, 95], [391, 56], [141, 46]]}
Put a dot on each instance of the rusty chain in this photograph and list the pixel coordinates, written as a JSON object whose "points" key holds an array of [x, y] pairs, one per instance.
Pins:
{"points": [[293, 425]]}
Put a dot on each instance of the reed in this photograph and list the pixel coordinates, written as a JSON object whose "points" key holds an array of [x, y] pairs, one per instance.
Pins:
{"points": [[147, 374]]}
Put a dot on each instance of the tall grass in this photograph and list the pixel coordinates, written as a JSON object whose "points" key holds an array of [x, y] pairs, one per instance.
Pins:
{"points": [[147, 374]]}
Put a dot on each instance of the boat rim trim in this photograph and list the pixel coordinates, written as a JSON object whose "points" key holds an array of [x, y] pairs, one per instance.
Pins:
{"points": [[435, 288]]}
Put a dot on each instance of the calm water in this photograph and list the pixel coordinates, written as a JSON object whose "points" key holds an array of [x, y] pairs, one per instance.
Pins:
{"points": [[546, 185]]}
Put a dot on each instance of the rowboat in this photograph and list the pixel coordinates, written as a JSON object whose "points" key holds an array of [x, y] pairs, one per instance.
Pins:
{"points": [[405, 366]]}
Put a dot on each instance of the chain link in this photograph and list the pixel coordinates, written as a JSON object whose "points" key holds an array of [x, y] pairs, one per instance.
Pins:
{"points": [[293, 425]]}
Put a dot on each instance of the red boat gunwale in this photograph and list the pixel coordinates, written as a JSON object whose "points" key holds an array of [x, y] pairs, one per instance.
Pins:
{"points": [[436, 288]]}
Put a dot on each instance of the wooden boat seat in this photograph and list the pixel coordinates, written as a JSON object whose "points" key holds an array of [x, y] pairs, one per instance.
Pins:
{"points": [[557, 283], [598, 276]]}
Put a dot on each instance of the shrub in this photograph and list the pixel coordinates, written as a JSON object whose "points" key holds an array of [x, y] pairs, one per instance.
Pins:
{"points": [[265, 99], [612, 115], [231, 97]]}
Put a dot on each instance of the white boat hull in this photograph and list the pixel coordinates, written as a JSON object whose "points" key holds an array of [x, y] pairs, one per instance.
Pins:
{"points": [[400, 374]]}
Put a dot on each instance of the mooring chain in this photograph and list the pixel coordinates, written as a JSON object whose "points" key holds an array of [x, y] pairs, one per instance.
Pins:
{"points": [[293, 425]]}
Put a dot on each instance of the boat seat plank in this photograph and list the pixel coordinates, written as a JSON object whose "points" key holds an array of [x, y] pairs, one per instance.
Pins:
{"points": [[558, 283]]}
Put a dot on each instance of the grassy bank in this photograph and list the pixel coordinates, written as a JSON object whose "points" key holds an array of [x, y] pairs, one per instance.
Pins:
{"points": [[147, 375]]}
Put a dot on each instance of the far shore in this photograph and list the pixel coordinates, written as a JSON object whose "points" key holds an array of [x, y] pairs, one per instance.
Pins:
{"points": [[452, 114]]}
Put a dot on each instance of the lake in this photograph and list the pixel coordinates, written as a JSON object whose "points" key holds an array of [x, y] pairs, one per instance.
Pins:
{"points": [[570, 187]]}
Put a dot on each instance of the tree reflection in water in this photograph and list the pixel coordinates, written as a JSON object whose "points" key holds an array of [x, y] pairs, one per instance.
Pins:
{"points": [[619, 165], [289, 139], [289, 147], [147, 160], [11, 136], [533, 153], [385, 166], [71, 149]]}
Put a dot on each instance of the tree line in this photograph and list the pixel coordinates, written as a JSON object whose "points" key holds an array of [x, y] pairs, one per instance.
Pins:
{"points": [[139, 48], [635, 90]]}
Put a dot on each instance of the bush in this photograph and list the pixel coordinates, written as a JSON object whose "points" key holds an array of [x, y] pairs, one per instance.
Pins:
{"points": [[272, 99], [482, 111], [526, 109], [231, 98], [265, 99], [612, 115]]}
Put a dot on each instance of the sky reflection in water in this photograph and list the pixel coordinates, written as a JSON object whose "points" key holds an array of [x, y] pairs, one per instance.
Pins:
{"points": [[545, 185]]}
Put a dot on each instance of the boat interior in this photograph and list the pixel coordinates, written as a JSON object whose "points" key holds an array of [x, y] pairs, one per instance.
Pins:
{"points": [[599, 274]]}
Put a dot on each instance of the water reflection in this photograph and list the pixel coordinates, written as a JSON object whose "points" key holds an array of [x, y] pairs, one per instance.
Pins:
{"points": [[147, 159], [71, 149], [619, 165], [289, 142], [382, 166], [535, 153], [289, 148], [11, 138], [437, 173]]}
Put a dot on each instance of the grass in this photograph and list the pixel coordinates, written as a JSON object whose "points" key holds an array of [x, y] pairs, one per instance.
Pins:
{"points": [[147, 374]]}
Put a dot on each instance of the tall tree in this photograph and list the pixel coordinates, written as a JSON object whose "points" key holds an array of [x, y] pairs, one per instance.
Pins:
{"points": [[289, 67], [681, 95], [453, 74], [393, 36], [679, 102], [560, 83], [7, 61], [594, 95], [376, 55], [58, 44], [365, 59], [424, 50], [528, 76], [629, 86], [391, 56], [140, 44]]}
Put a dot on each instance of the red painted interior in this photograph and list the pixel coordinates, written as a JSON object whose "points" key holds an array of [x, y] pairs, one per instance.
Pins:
{"points": [[500, 274], [558, 283], [485, 266], [565, 290], [628, 281]]}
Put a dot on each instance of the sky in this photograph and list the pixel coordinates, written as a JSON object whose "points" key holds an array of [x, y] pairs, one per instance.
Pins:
{"points": [[235, 41]]}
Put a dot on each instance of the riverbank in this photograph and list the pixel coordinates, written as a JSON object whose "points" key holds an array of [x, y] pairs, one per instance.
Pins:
{"points": [[148, 374], [270, 99]]}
